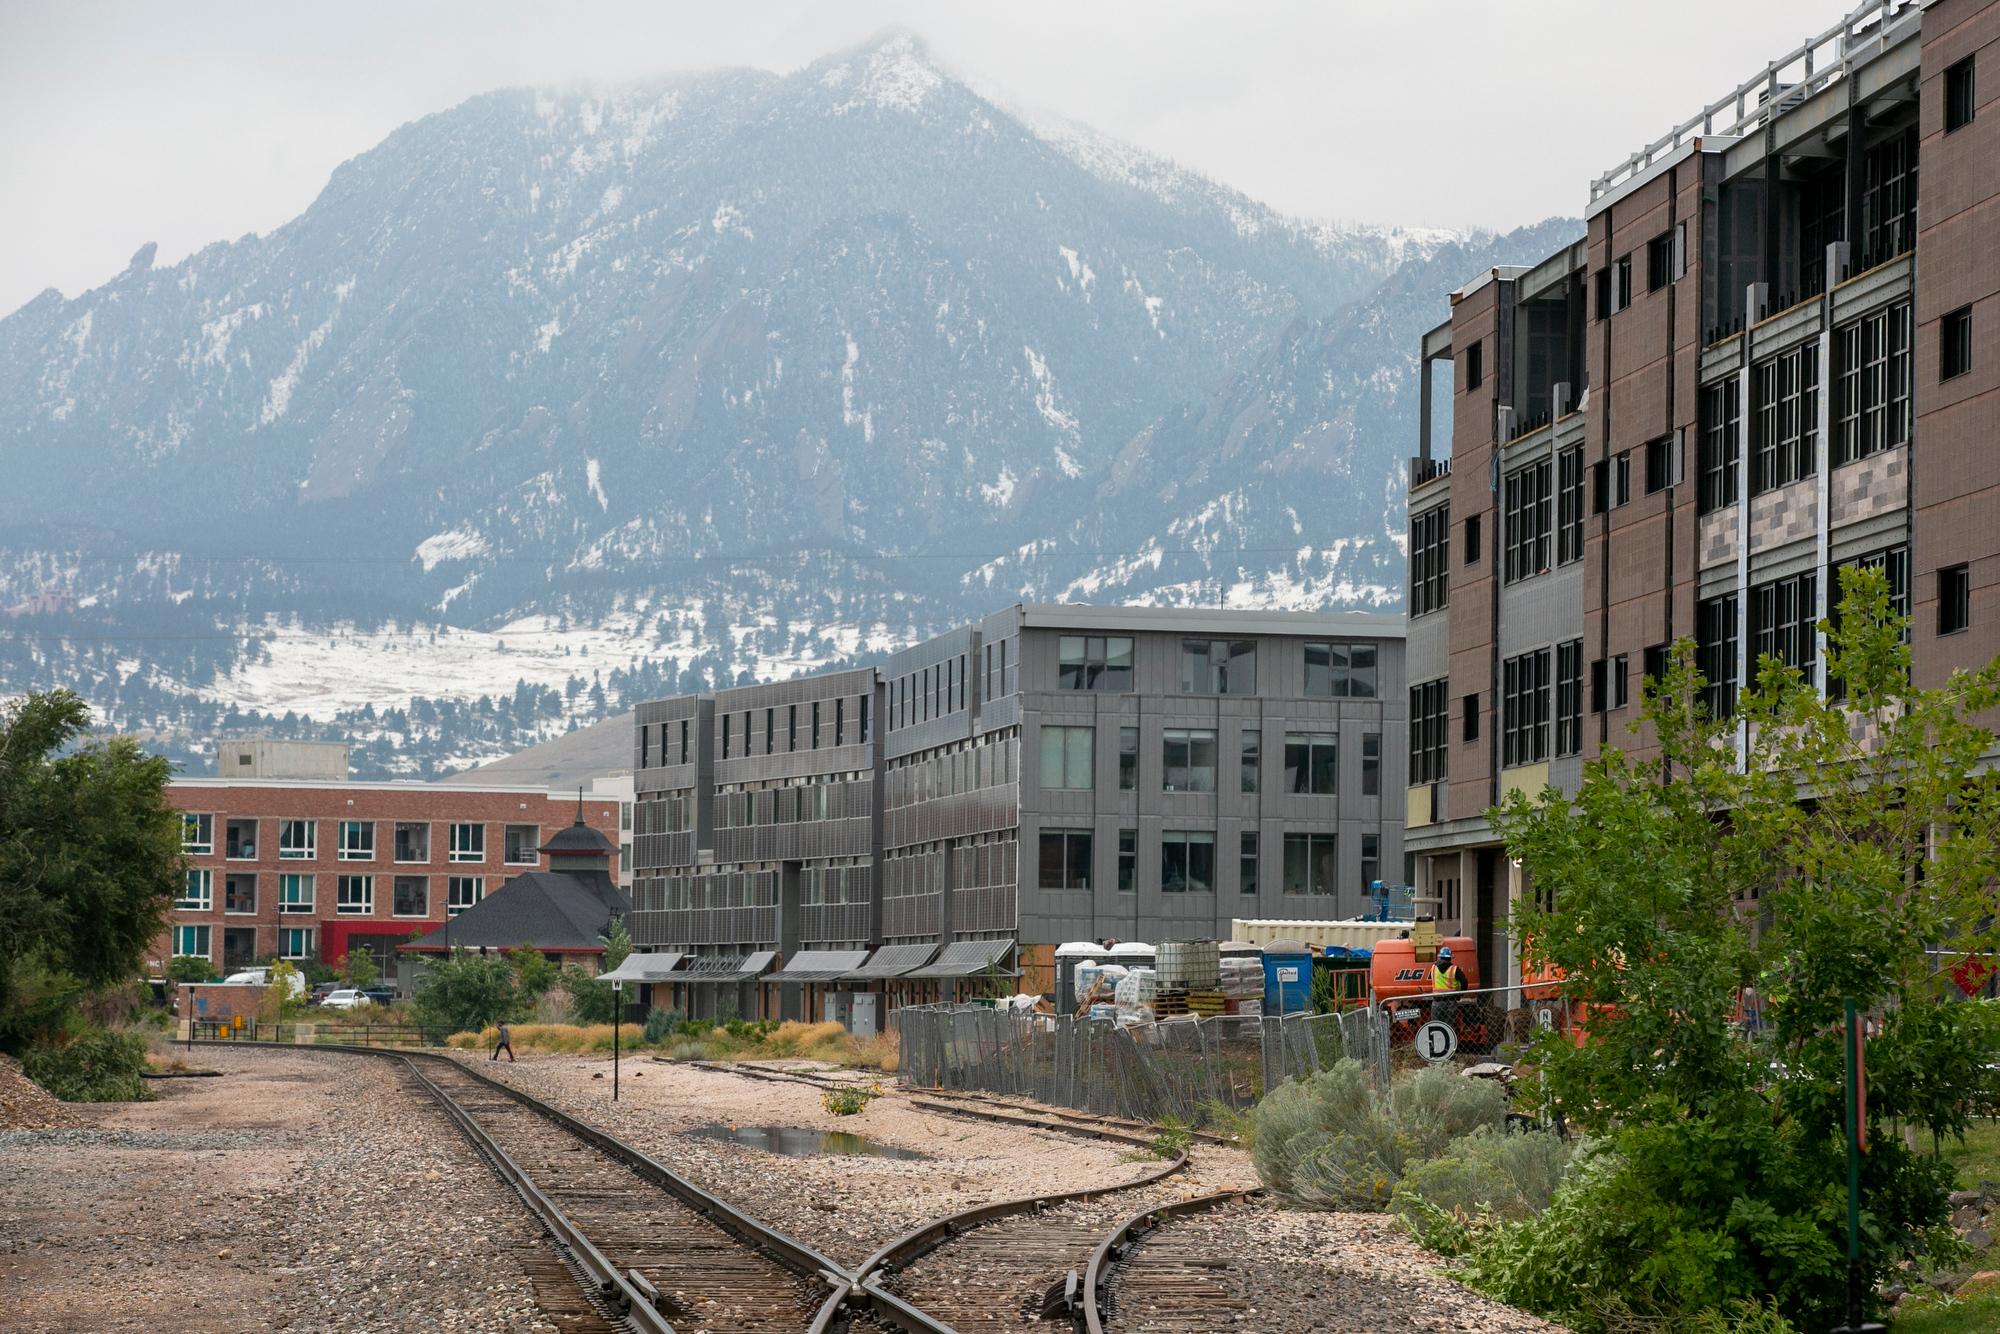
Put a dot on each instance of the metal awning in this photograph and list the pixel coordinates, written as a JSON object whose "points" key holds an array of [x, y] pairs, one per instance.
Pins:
{"points": [[891, 961], [645, 968], [717, 969], [967, 958], [819, 965]]}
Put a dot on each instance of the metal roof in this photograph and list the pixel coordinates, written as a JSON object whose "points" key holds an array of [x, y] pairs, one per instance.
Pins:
{"points": [[715, 969], [964, 958], [644, 968], [819, 965], [891, 961], [1177, 620]]}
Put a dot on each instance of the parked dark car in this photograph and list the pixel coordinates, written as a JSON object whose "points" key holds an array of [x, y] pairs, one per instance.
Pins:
{"points": [[321, 992], [380, 995]]}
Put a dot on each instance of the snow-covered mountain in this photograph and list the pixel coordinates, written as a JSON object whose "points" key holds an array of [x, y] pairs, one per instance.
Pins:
{"points": [[725, 372]]}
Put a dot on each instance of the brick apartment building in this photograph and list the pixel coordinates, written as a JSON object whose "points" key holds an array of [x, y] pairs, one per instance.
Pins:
{"points": [[1774, 353], [309, 869], [1048, 773]]}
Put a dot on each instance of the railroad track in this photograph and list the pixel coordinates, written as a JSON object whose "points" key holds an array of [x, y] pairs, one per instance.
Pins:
{"points": [[634, 1246], [1143, 1268]]}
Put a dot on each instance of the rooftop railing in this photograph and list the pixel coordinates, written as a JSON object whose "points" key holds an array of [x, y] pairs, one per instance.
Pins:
{"points": [[1783, 84]]}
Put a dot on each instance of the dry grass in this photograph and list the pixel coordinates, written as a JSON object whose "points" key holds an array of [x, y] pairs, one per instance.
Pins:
{"points": [[547, 1037], [829, 1043]]}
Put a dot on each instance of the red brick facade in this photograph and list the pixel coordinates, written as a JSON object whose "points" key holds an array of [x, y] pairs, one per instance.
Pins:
{"points": [[343, 840]]}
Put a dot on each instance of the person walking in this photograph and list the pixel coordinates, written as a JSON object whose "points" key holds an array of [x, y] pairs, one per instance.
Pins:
{"points": [[506, 1044]]}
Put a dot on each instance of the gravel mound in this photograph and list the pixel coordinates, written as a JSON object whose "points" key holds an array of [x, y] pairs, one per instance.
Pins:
{"points": [[26, 1105]]}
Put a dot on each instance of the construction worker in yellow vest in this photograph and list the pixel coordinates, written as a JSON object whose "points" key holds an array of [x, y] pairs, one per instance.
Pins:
{"points": [[1446, 977]]}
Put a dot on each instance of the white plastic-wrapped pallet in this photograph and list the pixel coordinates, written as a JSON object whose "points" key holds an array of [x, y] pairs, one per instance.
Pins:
{"points": [[1136, 988]]}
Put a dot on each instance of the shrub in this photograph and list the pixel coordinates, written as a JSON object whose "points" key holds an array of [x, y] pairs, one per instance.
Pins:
{"points": [[190, 968], [659, 1023], [1438, 1104], [97, 1065], [688, 1051], [848, 1101], [1326, 1142], [1485, 1174]]}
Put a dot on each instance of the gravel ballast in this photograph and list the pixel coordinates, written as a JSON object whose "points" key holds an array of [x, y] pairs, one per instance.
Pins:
{"points": [[307, 1191]]}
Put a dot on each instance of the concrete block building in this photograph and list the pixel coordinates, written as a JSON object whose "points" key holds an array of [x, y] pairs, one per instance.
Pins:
{"points": [[1045, 774], [1771, 355]]}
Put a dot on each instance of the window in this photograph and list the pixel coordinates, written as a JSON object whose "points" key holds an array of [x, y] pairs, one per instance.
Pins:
{"points": [[239, 840], [198, 892], [1472, 543], [1958, 95], [1218, 667], [1621, 282], [355, 840], [1069, 757], [1954, 590], [1428, 720], [1094, 662], [1784, 425], [1312, 763], [468, 843], [462, 892], [1601, 281], [1721, 419], [354, 894], [295, 942], [1659, 464], [1371, 861], [1128, 759], [1128, 861], [1871, 384], [1525, 522], [815, 721], [1340, 671], [239, 893], [523, 843], [1784, 621], [1371, 764], [1715, 645], [1654, 665], [1475, 366], [1569, 697], [1569, 506], [1524, 709], [1611, 481], [413, 896], [413, 841], [725, 736], [191, 942], [1659, 261], [198, 834], [1955, 343], [1246, 862], [1430, 560], [1889, 199], [295, 894], [1311, 864], [792, 722], [1252, 769], [1894, 562], [1065, 859], [1610, 688], [1469, 719], [1187, 862], [1187, 759], [687, 753]]}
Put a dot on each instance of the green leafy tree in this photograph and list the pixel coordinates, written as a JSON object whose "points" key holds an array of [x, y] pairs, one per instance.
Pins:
{"points": [[533, 973], [190, 968], [592, 1001], [357, 968], [467, 992], [1813, 849], [285, 999], [90, 859]]}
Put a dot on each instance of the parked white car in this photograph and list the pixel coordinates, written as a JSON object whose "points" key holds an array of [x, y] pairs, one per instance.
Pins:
{"points": [[346, 998]]}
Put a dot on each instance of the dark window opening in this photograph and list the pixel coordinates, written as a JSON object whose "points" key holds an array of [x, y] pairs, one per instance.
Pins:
{"points": [[1955, 343], [1472, 543], [1469, 719], [1958, 95], [1954, 588], [1659, 261]]}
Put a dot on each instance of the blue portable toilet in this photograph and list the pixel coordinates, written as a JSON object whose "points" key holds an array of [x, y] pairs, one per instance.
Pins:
{"points": [[1288, 972]]}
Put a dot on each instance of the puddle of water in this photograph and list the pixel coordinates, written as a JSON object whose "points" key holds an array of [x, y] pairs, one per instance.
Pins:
{"points": [[799, 1142]]}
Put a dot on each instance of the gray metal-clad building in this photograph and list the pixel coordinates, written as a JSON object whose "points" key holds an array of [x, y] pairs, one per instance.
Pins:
{"points": [[1048, 773]]}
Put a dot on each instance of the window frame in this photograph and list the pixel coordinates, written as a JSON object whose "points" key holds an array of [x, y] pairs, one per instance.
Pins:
{"points": [[1954, 343], [356, 848], [396, 884], [1186, 841], [1721, 421], [507, 850], [396, 843], [1128, 757], [1954, 594], [1202, 674], [1568, 738], [197, 891], [1371, 764], [197, 834], [366, 885], [1960, 94], [1070, 843], [1064, 737], [1569, 506], [1317, 850], [1128, 861], [453, 884], [1310, 757], [233, 851], [1430, 726], [1095, 662], [288, 901], [195, 932], [228, 897], [1325, 680], [1525, 713], [1250, 761], [307, 937], [1249, 861], [1527, 500], [455, 846], [1189, 739], [1430, 560]]}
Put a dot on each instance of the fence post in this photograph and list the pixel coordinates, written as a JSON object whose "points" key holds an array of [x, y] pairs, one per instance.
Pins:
{"points": [[1270, 1048], [1382, 1049]]}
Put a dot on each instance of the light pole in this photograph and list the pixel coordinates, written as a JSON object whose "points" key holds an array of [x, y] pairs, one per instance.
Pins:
{"points": [[617, 1014]]}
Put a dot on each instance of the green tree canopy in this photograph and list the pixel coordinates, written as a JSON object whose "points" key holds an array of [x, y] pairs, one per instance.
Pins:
{"points": [[592, 1001], [466, 992], [90, 859]]}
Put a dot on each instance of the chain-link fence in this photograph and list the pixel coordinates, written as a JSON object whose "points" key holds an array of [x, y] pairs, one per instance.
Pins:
{"points": [[1185, 1069]]}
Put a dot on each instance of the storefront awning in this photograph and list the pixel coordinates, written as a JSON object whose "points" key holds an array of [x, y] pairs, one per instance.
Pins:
{"points": [[645, 968], [968, 958], [891, 961], [819, 965]]}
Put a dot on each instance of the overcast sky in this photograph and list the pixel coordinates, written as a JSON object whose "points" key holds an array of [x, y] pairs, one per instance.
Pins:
{"points": [[122, 123]]}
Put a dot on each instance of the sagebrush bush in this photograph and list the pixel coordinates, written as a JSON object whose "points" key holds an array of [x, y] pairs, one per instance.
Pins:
{"points": [[1438, 1104], [660, 1022], [96, 1065], [1486, 1174], [1326, 1142]]}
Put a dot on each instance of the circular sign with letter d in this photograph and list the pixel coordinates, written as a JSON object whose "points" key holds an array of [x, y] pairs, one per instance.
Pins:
{"points": [[1437, 1041]]}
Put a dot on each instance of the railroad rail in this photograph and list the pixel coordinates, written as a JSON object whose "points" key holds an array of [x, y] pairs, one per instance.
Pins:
{"points": [[1174, 1285]]}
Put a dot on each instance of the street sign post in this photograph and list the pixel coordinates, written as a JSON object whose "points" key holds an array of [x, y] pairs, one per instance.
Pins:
{"points": [[617, 1013]]}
